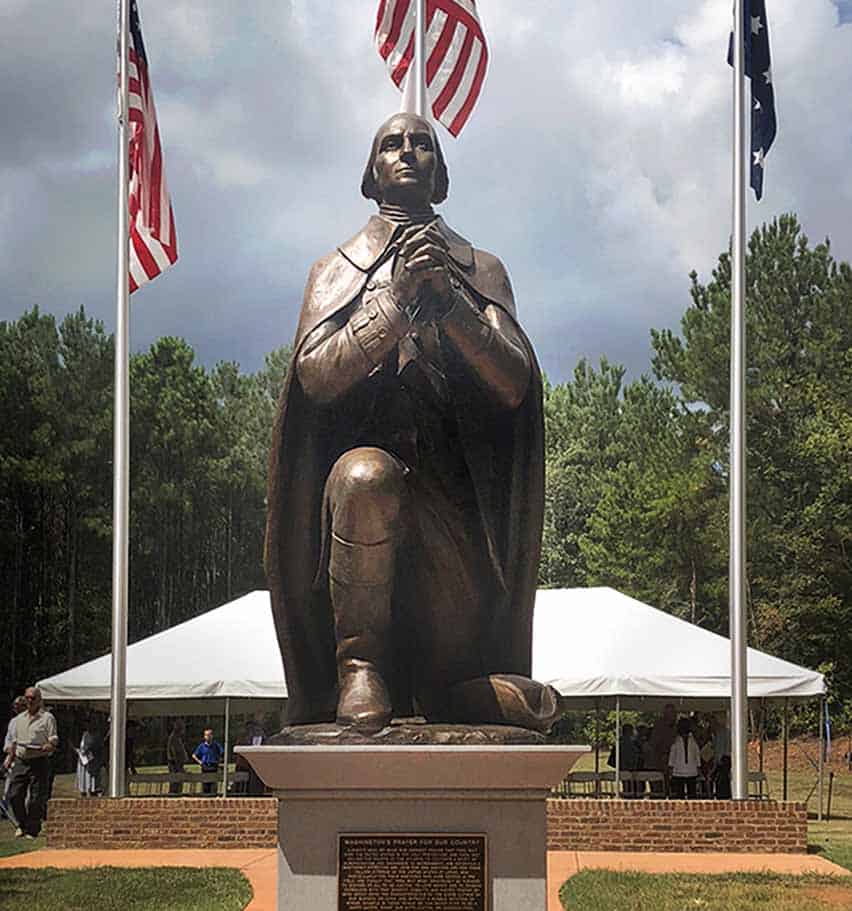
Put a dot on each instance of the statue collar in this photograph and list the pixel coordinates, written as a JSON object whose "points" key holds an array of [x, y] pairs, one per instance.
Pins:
{"points": [[371, 242]]}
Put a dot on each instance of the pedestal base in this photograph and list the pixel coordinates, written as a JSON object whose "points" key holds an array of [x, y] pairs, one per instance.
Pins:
{"points": [[496, 791]]}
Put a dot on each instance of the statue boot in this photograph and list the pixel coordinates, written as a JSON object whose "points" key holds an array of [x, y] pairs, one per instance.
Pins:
{"points": [[361, 597]]}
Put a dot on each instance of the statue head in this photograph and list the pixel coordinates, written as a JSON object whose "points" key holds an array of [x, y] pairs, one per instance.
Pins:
{"points": [[406, 166]]}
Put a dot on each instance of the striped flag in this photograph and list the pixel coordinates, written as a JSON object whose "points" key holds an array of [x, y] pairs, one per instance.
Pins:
{"points": [[456, 53], [153, 244]]}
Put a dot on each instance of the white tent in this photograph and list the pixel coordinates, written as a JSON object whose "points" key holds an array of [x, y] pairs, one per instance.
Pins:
{"points": [[230, 652], [589, 643], [595, 644], [601, 649]]}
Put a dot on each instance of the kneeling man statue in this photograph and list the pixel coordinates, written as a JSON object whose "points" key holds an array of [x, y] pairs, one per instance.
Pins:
{"points": [[406, 477]]}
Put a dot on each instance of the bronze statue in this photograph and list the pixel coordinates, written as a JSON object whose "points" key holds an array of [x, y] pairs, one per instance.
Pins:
{"points": [[406, 477]]}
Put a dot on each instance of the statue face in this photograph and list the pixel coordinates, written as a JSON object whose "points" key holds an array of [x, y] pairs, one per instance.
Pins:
{"points": [[404, 166]]}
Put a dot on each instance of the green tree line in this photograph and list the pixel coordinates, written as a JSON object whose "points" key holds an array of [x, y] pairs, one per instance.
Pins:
{"points": [[198, 447], [636, 472]]}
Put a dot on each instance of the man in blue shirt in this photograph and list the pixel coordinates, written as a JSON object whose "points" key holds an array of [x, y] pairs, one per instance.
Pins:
{"points": [[208, 754]]}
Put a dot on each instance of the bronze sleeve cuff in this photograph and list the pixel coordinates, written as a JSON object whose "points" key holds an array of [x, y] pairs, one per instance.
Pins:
{"points": [[465, 325], [492, 351], [338, 355], [378, 324]]}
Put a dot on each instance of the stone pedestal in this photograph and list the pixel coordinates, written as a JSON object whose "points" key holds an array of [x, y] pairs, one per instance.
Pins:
{"points": [[326, 792]]}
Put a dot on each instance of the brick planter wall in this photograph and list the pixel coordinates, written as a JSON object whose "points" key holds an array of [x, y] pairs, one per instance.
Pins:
{"points": [[572, 825], [751, 826], [159, 822]]}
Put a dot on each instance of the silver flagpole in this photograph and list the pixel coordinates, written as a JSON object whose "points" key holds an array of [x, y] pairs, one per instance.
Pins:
{"points": [[227, 736], [121, 435], [420, 102], [618, 746], [737, 562]]}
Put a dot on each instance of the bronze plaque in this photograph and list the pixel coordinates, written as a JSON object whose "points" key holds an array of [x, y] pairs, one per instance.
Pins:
{"points": [[411, 873]]}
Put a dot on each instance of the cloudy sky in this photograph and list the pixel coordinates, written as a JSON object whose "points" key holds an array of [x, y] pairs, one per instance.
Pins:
{"points": [[596, 164]]}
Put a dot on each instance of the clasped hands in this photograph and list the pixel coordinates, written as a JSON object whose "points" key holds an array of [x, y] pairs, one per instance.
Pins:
{"points": [[421, 274]]}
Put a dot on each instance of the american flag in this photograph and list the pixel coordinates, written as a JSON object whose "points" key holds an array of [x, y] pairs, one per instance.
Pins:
{"points": [[153, 244], [758, 68], [456, 53]]}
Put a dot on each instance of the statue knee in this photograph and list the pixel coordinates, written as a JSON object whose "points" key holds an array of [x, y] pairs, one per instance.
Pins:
{"points": [[365, 490]]}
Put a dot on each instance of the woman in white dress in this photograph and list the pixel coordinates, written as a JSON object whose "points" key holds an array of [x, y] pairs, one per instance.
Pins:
{"points": [[684, 762], [89, 763]]}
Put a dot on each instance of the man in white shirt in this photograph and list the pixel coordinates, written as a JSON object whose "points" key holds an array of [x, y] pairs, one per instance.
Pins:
{"points": [[9, 756], [35, 740]]}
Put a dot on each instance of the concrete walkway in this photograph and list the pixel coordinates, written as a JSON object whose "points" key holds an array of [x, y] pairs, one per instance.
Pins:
{"points": [[261, 866]]}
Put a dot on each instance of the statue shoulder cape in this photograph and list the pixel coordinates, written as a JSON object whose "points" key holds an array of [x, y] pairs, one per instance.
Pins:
{"points": [[338, 278]]}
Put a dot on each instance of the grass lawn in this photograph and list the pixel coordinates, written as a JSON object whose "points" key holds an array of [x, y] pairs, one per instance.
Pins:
{"points": [[10, 845], [604, 890], [832, 840], [120, 889]]}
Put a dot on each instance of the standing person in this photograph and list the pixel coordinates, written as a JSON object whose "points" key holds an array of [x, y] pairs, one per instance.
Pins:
{"points": [[684, 762], [89, 754], [208, 754], [629, 757], [643, 738], [18, 706], [35, 741], [130, 734], [646, 758], [131, 730], [662, 737], [176, 756], [721, 756], [256, 736]]}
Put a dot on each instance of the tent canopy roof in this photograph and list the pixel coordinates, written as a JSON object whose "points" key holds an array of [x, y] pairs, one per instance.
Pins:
{"points": [[589, 643], [231, 651], [596, 642]]}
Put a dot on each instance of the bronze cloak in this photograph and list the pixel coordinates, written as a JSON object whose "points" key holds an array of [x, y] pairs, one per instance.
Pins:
{"points": [[504, 452]]}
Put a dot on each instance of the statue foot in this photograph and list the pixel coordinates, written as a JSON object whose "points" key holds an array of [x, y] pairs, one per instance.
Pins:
{"points": [[505, 699], [364, 702]]}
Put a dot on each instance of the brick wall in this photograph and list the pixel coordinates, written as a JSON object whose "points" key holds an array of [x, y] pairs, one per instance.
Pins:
{"points": [[753, 826], [159, 822], [572, 825]]}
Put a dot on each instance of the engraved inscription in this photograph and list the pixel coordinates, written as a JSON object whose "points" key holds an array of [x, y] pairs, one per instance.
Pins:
{"points": [[411, 873]]}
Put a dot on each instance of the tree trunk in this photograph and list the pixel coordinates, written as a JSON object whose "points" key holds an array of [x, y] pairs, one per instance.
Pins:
{"points": [[693, 591], [72, 583], [228, 542]]}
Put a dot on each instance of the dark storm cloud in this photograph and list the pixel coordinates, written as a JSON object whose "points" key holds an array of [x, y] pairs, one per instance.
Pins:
{"points": [[597, 163]]}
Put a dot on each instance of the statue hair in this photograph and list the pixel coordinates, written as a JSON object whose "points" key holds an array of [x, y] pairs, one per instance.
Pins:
{"points": [[369, 187]]}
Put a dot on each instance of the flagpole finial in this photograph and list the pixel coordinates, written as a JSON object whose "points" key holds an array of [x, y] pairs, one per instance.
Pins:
{"points": [[409, 103]]}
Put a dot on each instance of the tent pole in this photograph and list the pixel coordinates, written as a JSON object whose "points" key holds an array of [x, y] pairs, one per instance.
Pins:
{"points": [[227, 738], [762, 733], [597, 746], [786, 736], [617, 746], [821, 752]]}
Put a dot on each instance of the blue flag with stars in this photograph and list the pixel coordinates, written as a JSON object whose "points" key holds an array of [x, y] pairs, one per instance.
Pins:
{"points": [[759, 70]]}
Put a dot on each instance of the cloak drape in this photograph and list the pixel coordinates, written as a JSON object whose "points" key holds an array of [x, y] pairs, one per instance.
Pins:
{"points": [[504, 453]]}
